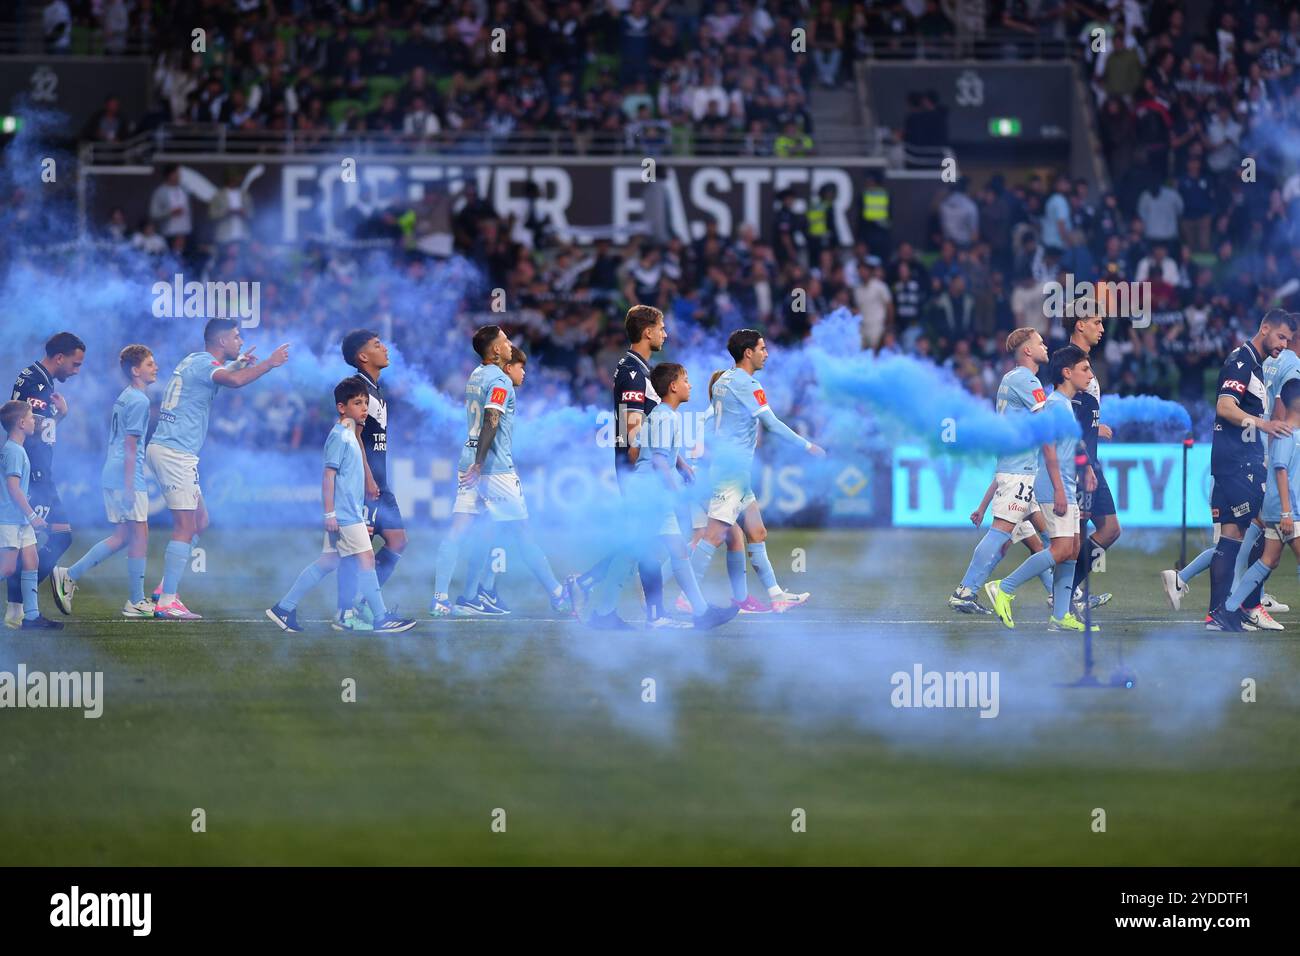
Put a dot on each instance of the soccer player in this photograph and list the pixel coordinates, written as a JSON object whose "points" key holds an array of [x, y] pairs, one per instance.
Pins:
{"points": [[366, 352], [126, 498], [1278, 370], [1024, 532], [1056, 485], [739, 407], [634, 399], [653, 492], [1278, 511], [347, 536], [1019, 393], [64, 354], [173, 452], [19, 520], [1237, 460], [1098, 505], [486, 479], [480, 595]]}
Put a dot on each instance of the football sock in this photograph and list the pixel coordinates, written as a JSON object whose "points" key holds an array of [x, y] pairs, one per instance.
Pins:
{"points": [[1088, 551], [1256, 594], [347, 582], [310, 576], [1251, 579], [762, 565], [703, 555], [47, 557], [605, 597], [445, 566], [175, 560], [101, 551], [135, 578], [1062, 588], [1198, 564], [1221, 565], [31, 609], [685, 575], [652, 583], [536, 561], [385, 564], [736, 575], [1244, 557], [1030, 568], [987, 554], [368, 581]]}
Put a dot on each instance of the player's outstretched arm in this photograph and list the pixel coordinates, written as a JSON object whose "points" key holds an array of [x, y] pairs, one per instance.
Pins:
{"points": [[778, 427], [239, 377]]}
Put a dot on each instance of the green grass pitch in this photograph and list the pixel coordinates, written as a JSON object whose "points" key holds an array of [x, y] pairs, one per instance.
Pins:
{"points": [[547, 721]]}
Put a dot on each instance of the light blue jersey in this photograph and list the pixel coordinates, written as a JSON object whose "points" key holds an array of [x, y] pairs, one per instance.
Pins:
{"points": [[1058, 404], [1283, 452], [343, 454], [1277, 372], [738, 399], [660, 436], [130, 417], [489, 387], [187, 402], [1020, 394], [13, 462]]}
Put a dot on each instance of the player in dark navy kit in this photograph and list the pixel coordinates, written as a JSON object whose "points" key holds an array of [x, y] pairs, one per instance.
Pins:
{"points": [[1237, 460], [634, 399], [364, 351], [1096, 504], [36, 385]]}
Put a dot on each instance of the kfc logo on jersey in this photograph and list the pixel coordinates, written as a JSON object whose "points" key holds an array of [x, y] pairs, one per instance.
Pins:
{"points": [[498, 396], [760, 397], [1040, 395], [1238, 387], [633, 397]]}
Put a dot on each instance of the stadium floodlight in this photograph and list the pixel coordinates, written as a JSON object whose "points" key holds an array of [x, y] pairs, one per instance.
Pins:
{"points": [[1004, 126]]}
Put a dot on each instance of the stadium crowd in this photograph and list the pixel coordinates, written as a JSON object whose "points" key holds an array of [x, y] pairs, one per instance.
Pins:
{"points": [[1182, 101]]}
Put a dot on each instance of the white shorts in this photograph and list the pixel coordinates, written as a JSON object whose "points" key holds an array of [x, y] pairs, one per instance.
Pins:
{"points": [[729, 500], [1014, 499], [1023, 532], [348, 540], [120, 506], [699, 517], [178, 473], [1066, 526], [500, 495], [17, 536], [1273, 531]]}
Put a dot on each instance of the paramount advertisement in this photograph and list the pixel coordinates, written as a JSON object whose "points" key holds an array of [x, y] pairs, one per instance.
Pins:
{"points": [[333, 199]]}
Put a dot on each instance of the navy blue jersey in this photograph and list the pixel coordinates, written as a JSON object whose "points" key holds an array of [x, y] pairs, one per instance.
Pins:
{"points": [[1242, 379], [1087, 411], [374, 434], [34, 386], [632, 393]]}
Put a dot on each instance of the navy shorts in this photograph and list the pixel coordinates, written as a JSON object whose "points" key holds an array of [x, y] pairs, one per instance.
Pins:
{"points": [[45, 501], [383, 514], [1099, 503], [1238, 495]]}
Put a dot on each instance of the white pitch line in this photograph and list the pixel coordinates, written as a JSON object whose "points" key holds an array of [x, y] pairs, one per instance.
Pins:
{"points": [[764, 621]]}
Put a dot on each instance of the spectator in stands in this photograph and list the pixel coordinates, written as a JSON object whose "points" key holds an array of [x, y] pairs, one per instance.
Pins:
{"points": [[826, 41], [170, 210], [107, 125], [874, 303], [1160, 208], [56, 26], [959, 217], [231, 211]]}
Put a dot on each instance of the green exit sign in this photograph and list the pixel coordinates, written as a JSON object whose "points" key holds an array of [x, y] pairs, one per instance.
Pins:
{"points": [[10, 124], [1004, 126]]}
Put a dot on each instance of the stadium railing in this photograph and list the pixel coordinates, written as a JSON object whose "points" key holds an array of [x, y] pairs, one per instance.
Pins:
{"points": [[215, 138]]}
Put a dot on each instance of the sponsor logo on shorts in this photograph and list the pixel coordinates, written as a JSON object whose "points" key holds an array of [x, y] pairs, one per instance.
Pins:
{"points": [[1241, 510]]}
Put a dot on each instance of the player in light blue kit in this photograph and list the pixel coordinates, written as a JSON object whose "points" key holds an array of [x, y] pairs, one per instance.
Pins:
{"points": [[739, 407], [347, 537], [652, 493], [487, 481], [1056, 490], [173, 452], [126, 498], [1020, 393], [19, 520]]}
